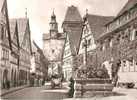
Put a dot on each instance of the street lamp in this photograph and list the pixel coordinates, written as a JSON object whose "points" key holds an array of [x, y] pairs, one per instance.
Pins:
{"points": [[85, 64], [85, 54]]}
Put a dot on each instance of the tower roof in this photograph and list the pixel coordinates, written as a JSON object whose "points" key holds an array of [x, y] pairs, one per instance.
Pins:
{"points": [[53, 15], [127, 6], [74, 35], [72, 14]]}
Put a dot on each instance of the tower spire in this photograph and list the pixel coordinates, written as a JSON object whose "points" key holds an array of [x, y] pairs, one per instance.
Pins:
{"points": [[26, 14], [86, 11], [53, 11], [53, 25]]}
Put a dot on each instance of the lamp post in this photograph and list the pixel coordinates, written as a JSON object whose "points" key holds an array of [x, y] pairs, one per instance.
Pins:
{"points": [[85, 65], [85, 52]]}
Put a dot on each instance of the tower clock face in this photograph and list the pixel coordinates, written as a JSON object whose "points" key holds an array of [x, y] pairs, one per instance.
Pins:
{"points": [[53, 49], [53, 34]]}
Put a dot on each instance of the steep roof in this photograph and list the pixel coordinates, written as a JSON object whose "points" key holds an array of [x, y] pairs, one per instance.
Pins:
{"points": [[97, 22], [34, 46], [73, 18], [74, 35], [128, 6], [12, 23], [4, 18], [72, 14], [22, 25]]}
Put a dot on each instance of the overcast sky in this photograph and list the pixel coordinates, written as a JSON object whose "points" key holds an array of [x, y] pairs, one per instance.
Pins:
{"points": [[39, 11]]}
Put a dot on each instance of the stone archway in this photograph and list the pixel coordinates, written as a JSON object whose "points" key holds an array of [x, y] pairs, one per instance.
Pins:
{"points": [[5, 78]]}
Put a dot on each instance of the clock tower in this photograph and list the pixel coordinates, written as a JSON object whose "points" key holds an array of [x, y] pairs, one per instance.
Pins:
{"points": [[53, 43], [53, 26]]}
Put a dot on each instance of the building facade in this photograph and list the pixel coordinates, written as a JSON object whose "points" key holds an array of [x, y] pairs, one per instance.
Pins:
{"points": [[5, 46], [72, 27], [119, 42], [14, 59], [25, 50], [93, 27], [53, 43], [36, 67]]}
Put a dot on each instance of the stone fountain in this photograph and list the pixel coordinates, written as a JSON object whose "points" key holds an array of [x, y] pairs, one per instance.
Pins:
{"points": [[91, 81]]}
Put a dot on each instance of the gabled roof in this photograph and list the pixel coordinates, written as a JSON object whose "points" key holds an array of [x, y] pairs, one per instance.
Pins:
{"points": [[74, 35], [22, 25], [4, 18], [72, 14], [12, 23], [35, 47], [74, 32], [97, 22], [128, 6]]}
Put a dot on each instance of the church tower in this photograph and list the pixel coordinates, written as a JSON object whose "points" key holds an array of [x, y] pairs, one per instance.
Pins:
{"points": [[53, 26]]}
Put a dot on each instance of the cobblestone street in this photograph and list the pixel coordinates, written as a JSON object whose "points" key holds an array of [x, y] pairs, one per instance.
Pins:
{"points": [[68, 49], [41, 93], [36, 93], [119, 94]]}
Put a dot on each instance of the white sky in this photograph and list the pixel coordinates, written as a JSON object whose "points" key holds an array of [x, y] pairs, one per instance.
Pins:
{"points": [[39, 11]]}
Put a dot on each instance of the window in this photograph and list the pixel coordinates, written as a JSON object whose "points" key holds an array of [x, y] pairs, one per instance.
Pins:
{"points": [[133, 34], [107, 27], [110, 43], [124, 63], [103, 47], [5, 55], [2, 31], [118, 21], [83, 44], [89, 42], [86, 30]]}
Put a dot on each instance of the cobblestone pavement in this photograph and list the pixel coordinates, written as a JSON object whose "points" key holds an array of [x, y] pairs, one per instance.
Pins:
{"points": [[36, 93], [41, 93], [119, 94]]}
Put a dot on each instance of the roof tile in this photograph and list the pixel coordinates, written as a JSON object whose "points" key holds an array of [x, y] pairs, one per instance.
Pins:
{"points": [[97, 23], [72, 14], [12, 23], [22, 24]]}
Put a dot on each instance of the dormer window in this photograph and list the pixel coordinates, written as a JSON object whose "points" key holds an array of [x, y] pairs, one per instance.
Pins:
{"points": [[133, 34]]}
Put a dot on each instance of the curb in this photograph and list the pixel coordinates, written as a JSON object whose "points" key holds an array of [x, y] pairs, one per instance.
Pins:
{"points": [[14, 90]]}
